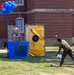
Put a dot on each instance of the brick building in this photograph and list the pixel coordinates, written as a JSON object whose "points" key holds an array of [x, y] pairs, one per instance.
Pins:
{"points": [[56, 15]]}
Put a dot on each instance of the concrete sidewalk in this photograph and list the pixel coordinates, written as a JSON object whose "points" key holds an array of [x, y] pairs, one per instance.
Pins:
{"points": [[3, 50]]}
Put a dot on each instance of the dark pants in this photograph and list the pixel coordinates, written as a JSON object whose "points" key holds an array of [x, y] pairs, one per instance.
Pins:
{"points": [[65, 52]]}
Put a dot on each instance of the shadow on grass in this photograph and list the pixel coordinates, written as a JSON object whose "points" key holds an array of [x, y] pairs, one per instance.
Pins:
{"points": [[33, 59], [48, 58]]}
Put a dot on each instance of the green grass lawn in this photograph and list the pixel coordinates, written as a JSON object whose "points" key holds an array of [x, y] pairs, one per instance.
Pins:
{"points": [[55, 48], [45, 65]]}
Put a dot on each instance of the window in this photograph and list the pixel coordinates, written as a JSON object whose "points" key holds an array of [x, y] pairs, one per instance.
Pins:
{"points": [[20, 24], [19, 2]]}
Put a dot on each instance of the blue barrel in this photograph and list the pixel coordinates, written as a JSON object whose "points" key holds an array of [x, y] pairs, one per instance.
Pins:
{"points": [[18, 49]]}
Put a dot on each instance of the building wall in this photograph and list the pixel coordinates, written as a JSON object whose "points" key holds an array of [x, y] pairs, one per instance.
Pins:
{"points": [[55, 23], [50, 4], [56, 15], [30, 4], [31, 18], [55, 4]]}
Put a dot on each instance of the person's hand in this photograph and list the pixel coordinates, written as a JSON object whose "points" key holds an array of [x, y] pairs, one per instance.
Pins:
{"points": [[56, 54]]}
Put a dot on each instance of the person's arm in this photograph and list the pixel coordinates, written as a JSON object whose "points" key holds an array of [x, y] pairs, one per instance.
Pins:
{"points": [[58, 50]]}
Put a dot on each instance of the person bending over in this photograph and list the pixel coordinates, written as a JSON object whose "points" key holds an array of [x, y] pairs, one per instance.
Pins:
{"points": [[66, 50]]}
